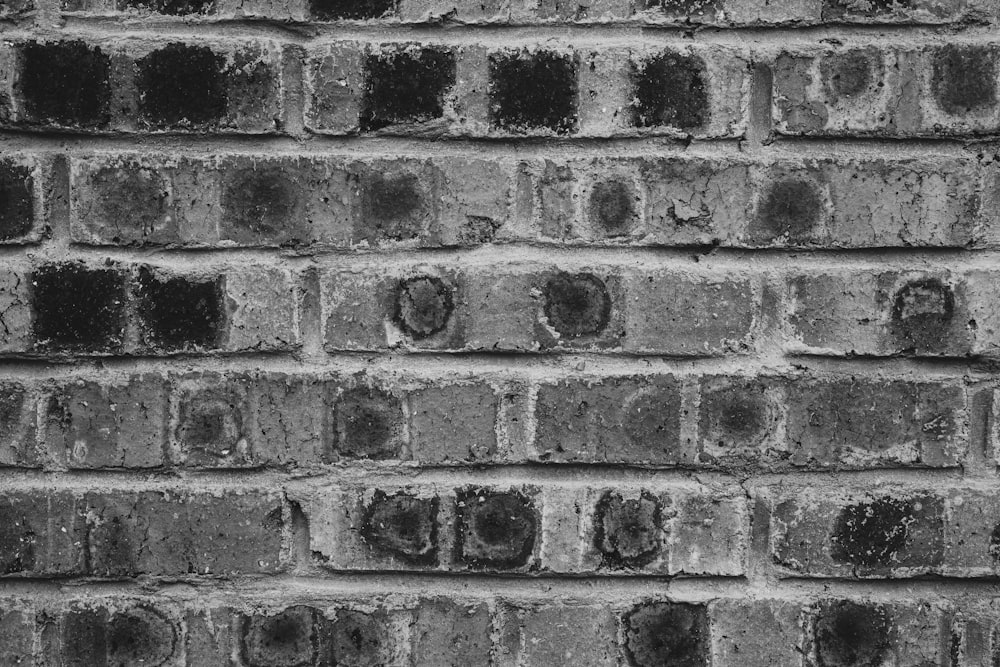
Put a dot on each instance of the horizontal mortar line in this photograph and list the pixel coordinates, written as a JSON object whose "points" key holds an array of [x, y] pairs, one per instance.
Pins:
{"points": [[531, 367], [389, 146], [628, 32]]}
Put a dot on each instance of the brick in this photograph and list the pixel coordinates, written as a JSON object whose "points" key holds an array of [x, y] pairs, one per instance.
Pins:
{"points": [[690, 315], [89, 634], [18, 425], [450, 633], [358, 637], [560, 634], [881, 313], [180, 313], [174, 534], [533, 91], [17, 629], [453, 423], [115, 425], [670, 90], [675, 633], [262, 313], [210, 632], [406, 85], [78, 308], [326, 10], [176, 86], [495, 529], [751, 632], [290, 637], [40, 536], [214, 423], [21, 214]]}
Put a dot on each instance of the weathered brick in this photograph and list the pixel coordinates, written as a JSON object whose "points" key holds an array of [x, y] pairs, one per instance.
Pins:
{"points": [[751, 632], [675, 633], [40, 535], [560, 634], [78, 307], [18, 425], [22, 212], [451, 634], [17, 629], [453, 423]]}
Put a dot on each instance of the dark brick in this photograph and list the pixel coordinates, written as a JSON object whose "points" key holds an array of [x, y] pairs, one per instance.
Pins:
{"points": [[627, 532], [368, 424], [533, 91], [405, 86], [39, 535], [690, 9], [182, 85], [847, 74], [887, 532], [965, 78], [212, 425], [403, 525], [670, 89], [78, 308], [577, 304], [735, 415], [84, 637], [835, 9], [17, 425], [140, 636], [170, 7], [19, 535], [180, 313], [612, 207], [994, 548], [262, 205], [286, 639], [392, 208], [791, 209], [922, 315], [66, 83], [495, 529], [423, 306], [360, 639], [17, 201], [850, 634], [326, 10], [667, 633]]}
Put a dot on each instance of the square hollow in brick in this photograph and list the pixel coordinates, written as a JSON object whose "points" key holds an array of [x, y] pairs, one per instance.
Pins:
{"points": [[180, 313], [533, 91], [670, 89], [405, 86], [78, 308]]}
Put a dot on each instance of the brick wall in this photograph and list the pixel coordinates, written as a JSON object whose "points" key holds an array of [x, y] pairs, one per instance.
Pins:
{"points": [[523, 333]]}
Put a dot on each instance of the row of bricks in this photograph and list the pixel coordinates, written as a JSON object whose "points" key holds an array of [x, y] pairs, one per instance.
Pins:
{"points": [[677, 529], [276, 420], [115, 308], [339, 202], [698, 90], [504, 12], [499, 632]]}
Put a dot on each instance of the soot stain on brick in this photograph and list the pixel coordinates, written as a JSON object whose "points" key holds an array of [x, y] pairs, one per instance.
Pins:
{"points": [[140, 636], [577, 304], [792, 207], [359, 638], [533, 91], [391, 207], [612, 206], [873, 533], [403, 525], [286, 638], [922, 314], [180, 313], [78, 308], [182, 85], [849, 634], [17, 541], [964, 78], [667, 633], [261, 202], [847, 74], [211, 423], [627, 531], [65, 83], [170, 7], [368, 423], [329, 10], [130, 198], [670, 89], [495, 529], [406, 86], [423, 306], [17, 208]]}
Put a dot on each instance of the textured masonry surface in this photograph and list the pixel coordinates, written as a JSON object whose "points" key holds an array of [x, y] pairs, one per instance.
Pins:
{"points": [[452, 333]]}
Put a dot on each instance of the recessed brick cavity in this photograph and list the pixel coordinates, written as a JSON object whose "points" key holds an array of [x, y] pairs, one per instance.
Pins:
{"points": [[406, 86], [627, 531], [17, 209], [328, 10], [286, 639], [78, 308], [140, 636], [533, 91], [495, 529], [965, 78], [65, 83], [791, 208], [423, 306], [180, 313], [612, 207], [577, 304], [182, 85], [850, 634], [670, 90], [369, 422], [404, 526], [667, 633]]}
